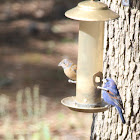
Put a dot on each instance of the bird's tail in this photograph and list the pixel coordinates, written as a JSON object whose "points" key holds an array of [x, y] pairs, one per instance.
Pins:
{"points": [[121, 114]]}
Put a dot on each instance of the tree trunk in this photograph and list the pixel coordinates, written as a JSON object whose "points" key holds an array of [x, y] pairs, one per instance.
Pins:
{"points": [[121, 63]]}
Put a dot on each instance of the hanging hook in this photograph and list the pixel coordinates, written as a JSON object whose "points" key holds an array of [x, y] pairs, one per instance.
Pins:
{"points": [[125, 2]]}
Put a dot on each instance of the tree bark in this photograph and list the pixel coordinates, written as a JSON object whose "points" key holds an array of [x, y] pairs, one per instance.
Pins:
{"points": [[121, 63]]}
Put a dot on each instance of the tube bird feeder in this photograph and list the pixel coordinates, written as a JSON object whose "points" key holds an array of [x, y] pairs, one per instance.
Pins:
{"points": [[91, 16]]}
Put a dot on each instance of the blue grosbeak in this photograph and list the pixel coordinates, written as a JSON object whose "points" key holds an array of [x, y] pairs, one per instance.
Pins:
{"points": [[111, 96], [70, 69]]}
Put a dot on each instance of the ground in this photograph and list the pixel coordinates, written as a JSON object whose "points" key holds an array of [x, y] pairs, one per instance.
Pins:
{"points": [[30, 50]]}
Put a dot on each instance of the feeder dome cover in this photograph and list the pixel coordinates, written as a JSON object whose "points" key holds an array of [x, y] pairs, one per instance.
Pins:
{"points": [[91, 11]]}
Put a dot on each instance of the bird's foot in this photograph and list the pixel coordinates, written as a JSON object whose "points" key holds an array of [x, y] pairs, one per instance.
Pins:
{"points": [[109, 106], [71, 81]]}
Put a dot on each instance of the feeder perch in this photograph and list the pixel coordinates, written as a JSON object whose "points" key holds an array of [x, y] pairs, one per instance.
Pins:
{"points": [[91, 16]]}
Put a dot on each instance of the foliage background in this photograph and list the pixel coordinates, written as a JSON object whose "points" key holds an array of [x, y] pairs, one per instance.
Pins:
{"points": [[34, 37]]}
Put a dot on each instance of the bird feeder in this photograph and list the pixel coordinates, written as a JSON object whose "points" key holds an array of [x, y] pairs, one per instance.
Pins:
{"points": [[91, 16]]}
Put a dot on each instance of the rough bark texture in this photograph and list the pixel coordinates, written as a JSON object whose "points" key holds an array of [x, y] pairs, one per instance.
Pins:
{"points": [[121, 62]]}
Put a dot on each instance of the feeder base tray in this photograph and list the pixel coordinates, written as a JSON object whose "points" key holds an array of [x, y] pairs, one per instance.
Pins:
{"points": [[71, 103]]}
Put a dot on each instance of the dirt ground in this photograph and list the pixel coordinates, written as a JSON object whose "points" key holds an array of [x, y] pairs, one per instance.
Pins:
{"points": [[32, 43]]}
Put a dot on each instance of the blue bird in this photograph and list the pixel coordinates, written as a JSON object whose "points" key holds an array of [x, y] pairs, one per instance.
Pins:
{"points": [[111, 96]]}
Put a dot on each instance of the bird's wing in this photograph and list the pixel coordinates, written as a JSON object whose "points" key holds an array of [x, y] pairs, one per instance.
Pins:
{"points": [[74, 68], [115, 98]]}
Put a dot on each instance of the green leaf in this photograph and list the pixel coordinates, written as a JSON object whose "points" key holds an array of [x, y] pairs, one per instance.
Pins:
{"points": [[46, 133], [36, 136]]}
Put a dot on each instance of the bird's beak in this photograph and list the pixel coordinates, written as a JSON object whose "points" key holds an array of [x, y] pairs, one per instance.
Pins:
{"points": [[60, 64], [104, 80]]}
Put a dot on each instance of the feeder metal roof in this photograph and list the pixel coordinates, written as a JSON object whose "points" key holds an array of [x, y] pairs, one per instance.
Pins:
{"points": [[91, 11]]}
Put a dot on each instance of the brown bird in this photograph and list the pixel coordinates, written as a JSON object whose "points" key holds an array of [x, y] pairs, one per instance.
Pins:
{"points": [[70, 69]]}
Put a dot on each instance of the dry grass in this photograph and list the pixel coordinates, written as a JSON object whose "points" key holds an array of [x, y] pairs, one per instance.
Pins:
{"points": [[30, 118]]}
